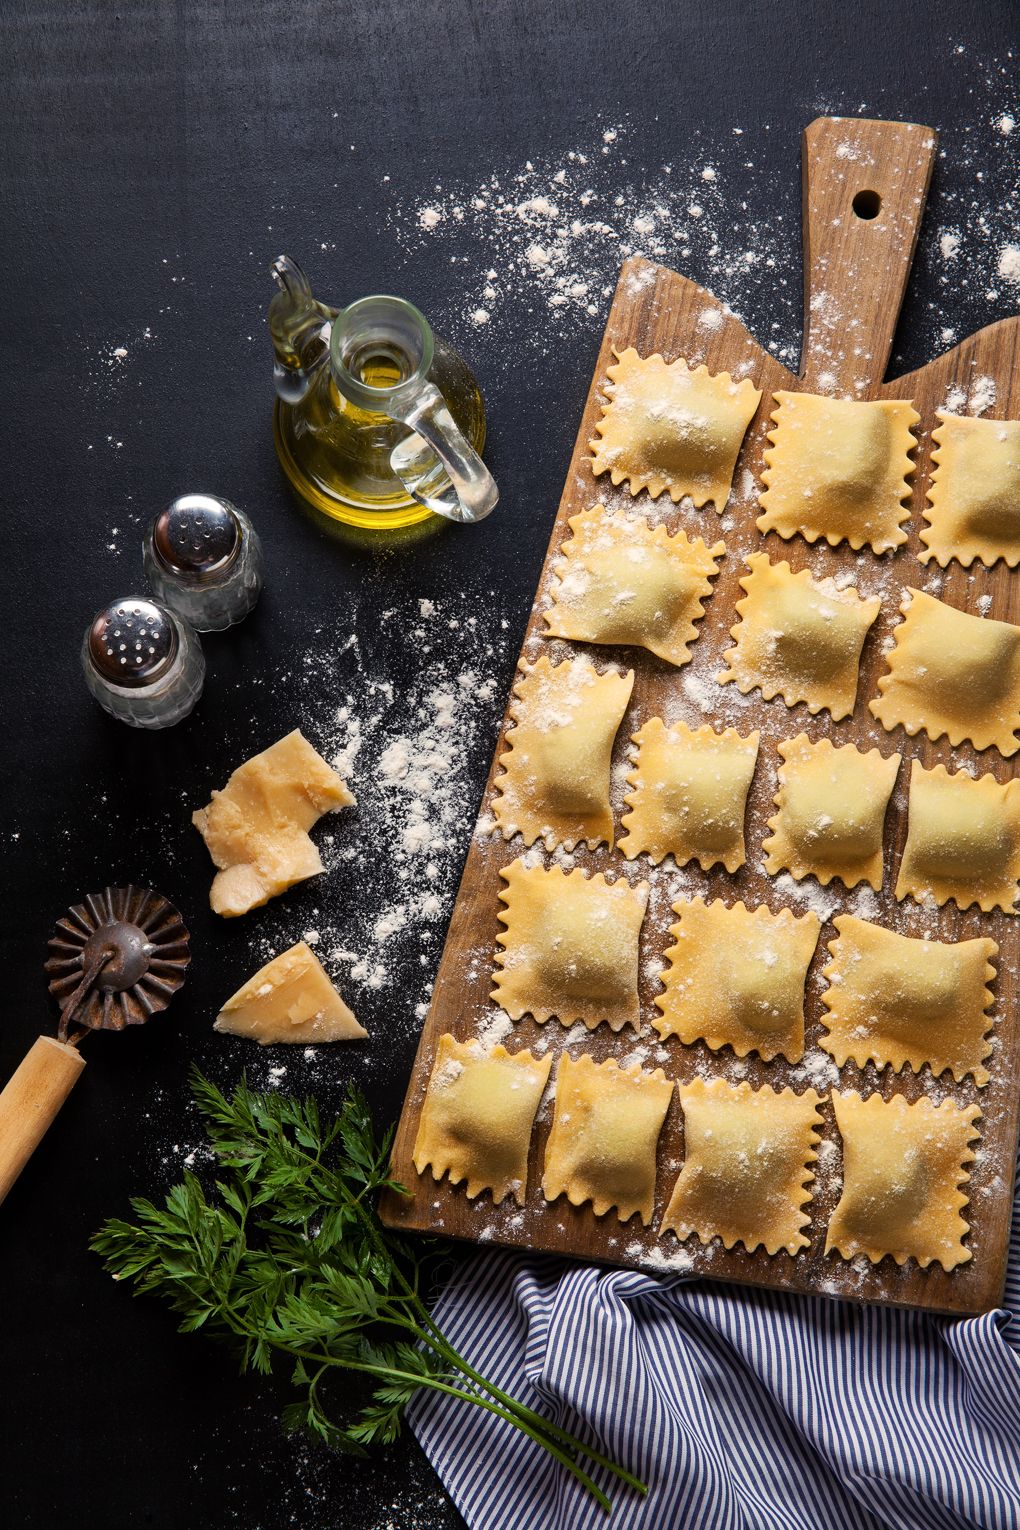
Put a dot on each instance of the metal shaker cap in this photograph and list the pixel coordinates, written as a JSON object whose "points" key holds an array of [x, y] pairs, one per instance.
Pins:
{"points": [[132, 641], [197, 536]]}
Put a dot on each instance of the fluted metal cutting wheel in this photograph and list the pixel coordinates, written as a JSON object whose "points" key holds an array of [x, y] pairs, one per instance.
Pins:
{"points": [[116, 958]]}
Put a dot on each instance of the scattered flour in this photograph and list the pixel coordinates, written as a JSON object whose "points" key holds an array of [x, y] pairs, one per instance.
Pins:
{"points": [[537, 245], [413, 754], [808, 894], [548, 237], [495, 1030], [982, 392], [1009, 263], [975, 398]]}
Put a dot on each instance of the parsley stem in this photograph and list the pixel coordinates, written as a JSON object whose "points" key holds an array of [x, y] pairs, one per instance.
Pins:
{"points": [[436, 1340], [387, 1373]]}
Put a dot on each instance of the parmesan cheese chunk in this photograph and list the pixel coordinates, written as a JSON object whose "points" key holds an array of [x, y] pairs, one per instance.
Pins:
{"points": [[256, 828], [289, 999]]}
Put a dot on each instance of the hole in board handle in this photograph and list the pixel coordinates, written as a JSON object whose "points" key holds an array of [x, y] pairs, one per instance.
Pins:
{"points": [[867, 204]]}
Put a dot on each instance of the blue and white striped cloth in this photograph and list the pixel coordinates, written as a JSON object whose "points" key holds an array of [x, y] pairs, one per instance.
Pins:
{"points": [[742, 1409]]}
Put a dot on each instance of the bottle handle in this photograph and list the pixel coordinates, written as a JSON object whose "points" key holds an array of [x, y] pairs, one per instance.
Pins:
{"points": [[458, 485], [299, 327]]}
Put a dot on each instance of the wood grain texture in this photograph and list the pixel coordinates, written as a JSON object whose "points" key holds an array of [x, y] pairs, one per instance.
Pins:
{"points": [[31, 1099], [855, 274]]}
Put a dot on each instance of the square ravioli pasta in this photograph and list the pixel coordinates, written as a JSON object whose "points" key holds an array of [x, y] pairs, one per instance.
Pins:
{"points": [[903, 1166], [689, 794], [838, 469], [963, 840], [604, 1136], [558, 756], [900, 1002], [798, 637], [477, 1117], [952, 673], [570, 947], [831, 812], [973, 509], [736, 978], [748, 1156], [622, 581], [668, 427]]}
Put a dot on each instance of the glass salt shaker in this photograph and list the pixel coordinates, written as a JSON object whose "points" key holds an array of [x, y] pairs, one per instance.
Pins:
{"points": [[142, 663], [203, 559]]}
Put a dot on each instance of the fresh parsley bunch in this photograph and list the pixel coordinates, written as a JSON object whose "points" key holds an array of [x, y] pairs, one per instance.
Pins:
{"points": [[288, 1259]]}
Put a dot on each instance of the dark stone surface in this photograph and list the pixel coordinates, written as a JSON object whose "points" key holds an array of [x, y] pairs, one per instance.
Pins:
{"points": [[157, 157]]}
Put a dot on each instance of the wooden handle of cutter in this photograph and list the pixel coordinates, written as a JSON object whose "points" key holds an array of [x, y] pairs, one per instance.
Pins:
{"points": [[31, 1100], [865, 186]]}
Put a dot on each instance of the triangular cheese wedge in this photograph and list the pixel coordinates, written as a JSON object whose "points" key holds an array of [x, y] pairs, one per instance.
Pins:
{"points": [[289, 999]]}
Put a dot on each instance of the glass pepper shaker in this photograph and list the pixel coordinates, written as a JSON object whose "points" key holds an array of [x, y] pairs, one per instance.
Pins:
{"points": [[142, 663], [203, 559]]}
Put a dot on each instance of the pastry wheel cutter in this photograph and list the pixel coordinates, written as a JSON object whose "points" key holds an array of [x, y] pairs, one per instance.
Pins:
{"points": [[115, 959]]}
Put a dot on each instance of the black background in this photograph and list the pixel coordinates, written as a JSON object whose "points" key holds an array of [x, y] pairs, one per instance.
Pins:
{"points": [[157, 157]]}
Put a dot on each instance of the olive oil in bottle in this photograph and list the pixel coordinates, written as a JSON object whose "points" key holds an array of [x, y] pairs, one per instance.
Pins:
{"points": [[378, 422]]}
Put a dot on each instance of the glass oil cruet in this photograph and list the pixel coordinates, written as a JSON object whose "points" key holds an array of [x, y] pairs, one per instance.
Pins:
{"points": [[378, 421]]}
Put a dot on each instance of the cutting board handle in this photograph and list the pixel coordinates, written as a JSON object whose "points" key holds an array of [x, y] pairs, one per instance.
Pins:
{"points": [[865, 186], [31, 1099]]}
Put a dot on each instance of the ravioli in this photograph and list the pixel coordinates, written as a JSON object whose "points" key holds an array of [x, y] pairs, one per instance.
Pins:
{"points": [[963, 840], [748, 1156], [476, 1121], [903, 1166], [668, 427], [952, 673], [838, 469], [900, 1002], [798, 638], [689, 795], [973, 510], [736, 978], [624, 582], [831, 812], [570, 948], [604, 1135], [556, 766]]}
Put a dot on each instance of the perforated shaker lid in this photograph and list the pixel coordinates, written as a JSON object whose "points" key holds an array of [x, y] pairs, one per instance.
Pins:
{"points": [[132, 641], [197, 536]]}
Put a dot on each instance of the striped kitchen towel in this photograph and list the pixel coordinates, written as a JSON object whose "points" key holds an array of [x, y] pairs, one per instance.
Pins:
{"points": [[742, 1409]]}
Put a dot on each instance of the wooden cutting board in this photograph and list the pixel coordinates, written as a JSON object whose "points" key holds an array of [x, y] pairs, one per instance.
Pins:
{"points": [[864, 186]]}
